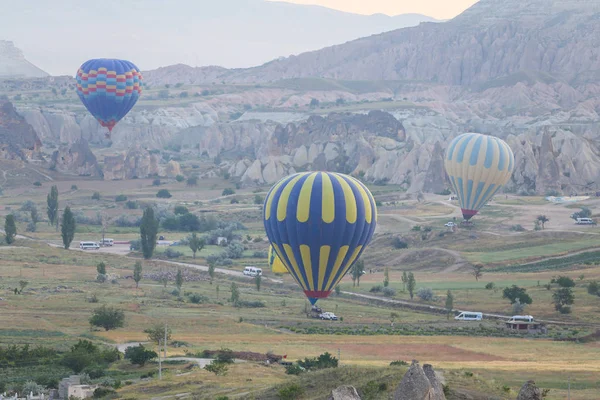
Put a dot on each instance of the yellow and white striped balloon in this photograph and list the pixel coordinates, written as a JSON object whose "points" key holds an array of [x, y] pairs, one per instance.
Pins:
{"points": [[478, 167]]}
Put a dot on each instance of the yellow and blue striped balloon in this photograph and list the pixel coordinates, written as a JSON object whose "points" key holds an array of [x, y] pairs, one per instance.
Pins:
{"points": [[478, 167], [319, 223], [277, 266]]}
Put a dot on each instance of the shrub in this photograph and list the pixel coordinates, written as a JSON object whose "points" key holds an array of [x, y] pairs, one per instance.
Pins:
{"points": [[490, 286], [163, 194], [103, 392], [139, 355], [225, 356], [293, 369], [228, 192], [170, 253], [120, 198], [416, 228], [197, 298], [376, 289], [425, 294], [517, 228], [260, 254], [400, 243], [398, 363], [593, 288], [37, 183], [564, 281], [181, 210], [156, 182], [218, 368], [250, 304], [290, 392], [180, 178], [132, 205], [389, 292], [74, 187], [258, 199]]}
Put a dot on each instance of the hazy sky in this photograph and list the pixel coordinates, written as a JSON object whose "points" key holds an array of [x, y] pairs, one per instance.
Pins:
{"points": [[440, 9]]}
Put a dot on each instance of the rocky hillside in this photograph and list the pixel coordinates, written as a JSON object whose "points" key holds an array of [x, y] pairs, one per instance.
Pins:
{"points": [[13, 63], [492, 39], [18, 140]]}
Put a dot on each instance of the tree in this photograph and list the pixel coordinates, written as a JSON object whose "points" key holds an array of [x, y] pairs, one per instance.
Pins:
{"points": [[258, 281], [68, 227], [314, 103], [394, 316], [156, 333], [593, 288], [107, 318], [542, 219], [180, 210], [101, 268], [513, 293], [235, 293], [137, 273], [404, 281], [10, 229], [211, 270], [386, 277], [23, 285], [148, 231], [258, 199], [52, 201], [449, 303], [138, 355], [562, 299], [477, 271], [227, 192], [357, 271], [411, 284], [163, 194], [564, 281], [179, 280], [35, 216], [96, 196], [196, 243]]}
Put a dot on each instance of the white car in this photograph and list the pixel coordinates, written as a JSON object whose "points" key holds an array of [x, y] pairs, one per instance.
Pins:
{"points": [[329, 316], [450, 224]]}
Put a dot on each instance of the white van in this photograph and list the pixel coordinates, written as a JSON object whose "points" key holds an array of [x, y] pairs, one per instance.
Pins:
{"points": [[585, 221], [469, 316], [520, 318], [252, 271], [89, 246], [107, 242]]}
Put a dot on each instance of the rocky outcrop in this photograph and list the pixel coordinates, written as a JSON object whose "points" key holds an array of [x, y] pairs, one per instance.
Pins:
{"points": [[13, 63], [137, 162], [76, 158], [18, 139], [529, 392], [416, 385], [344, 393]]}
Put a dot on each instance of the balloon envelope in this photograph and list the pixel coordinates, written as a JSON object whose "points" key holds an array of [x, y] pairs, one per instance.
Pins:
{"points": [[319, 223], [109, 88], [478, 166], [275, 263]]}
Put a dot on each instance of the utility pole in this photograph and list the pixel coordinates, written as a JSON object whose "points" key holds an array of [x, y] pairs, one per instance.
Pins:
{"points": [[159, 363], [165, 342]]}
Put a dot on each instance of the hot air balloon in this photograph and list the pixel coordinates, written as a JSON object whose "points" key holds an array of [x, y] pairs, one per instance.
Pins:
{"points": [[319, 224], [109, 88], [275, 263], [478, 166]]}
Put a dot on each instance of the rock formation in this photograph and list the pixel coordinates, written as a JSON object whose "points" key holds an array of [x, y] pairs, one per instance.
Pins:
{"points": [[13, 63], [18, 139], [137, 162], [419, 385], [76, 158], [344, 393], [529, 392]]}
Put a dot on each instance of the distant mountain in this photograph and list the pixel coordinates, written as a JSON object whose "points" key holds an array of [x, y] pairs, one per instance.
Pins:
{"points": [[153, 33], [547, 39], [13, 63]]}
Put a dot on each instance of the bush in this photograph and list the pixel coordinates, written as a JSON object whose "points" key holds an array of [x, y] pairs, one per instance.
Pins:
{"points": [[132, 205], [120, 198], [103, 392], [593, 288], [260, 254], [250, 304], [74, 187], [293, 369], [180, 178], [290, 392], [258, 199], [156, 182], [218, 368], [425, 294], [31, 227], [170, 253], [517, 228], [181, 210], [564, 281], [197, 298], [37, 183], [376, 289], [163, 194], [227, 192], [389, 292], [398, 363], [138, 355], [490, 286], [400, 243]]}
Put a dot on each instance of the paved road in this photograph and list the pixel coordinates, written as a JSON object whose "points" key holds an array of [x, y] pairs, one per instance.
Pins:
{"points": [[437, 308]]}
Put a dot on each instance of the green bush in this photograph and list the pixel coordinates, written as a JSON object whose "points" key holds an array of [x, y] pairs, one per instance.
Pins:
{"points": [[400, 243], [163, 194], [376, 289], [227, 192], [103, 392], [593, 288], [120, 197], [132, 205], [293, 369], [180, 178], [490, 286], [290, 392], [398, 363], [218, 368], [197, 298]]}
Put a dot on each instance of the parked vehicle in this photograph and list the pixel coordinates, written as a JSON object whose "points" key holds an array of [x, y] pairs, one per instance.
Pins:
{"points": [[585, 221], [252, 271], [89, 246], [328, 316], [107, 242], [520, 318], [450, 224], [469, 316]]}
